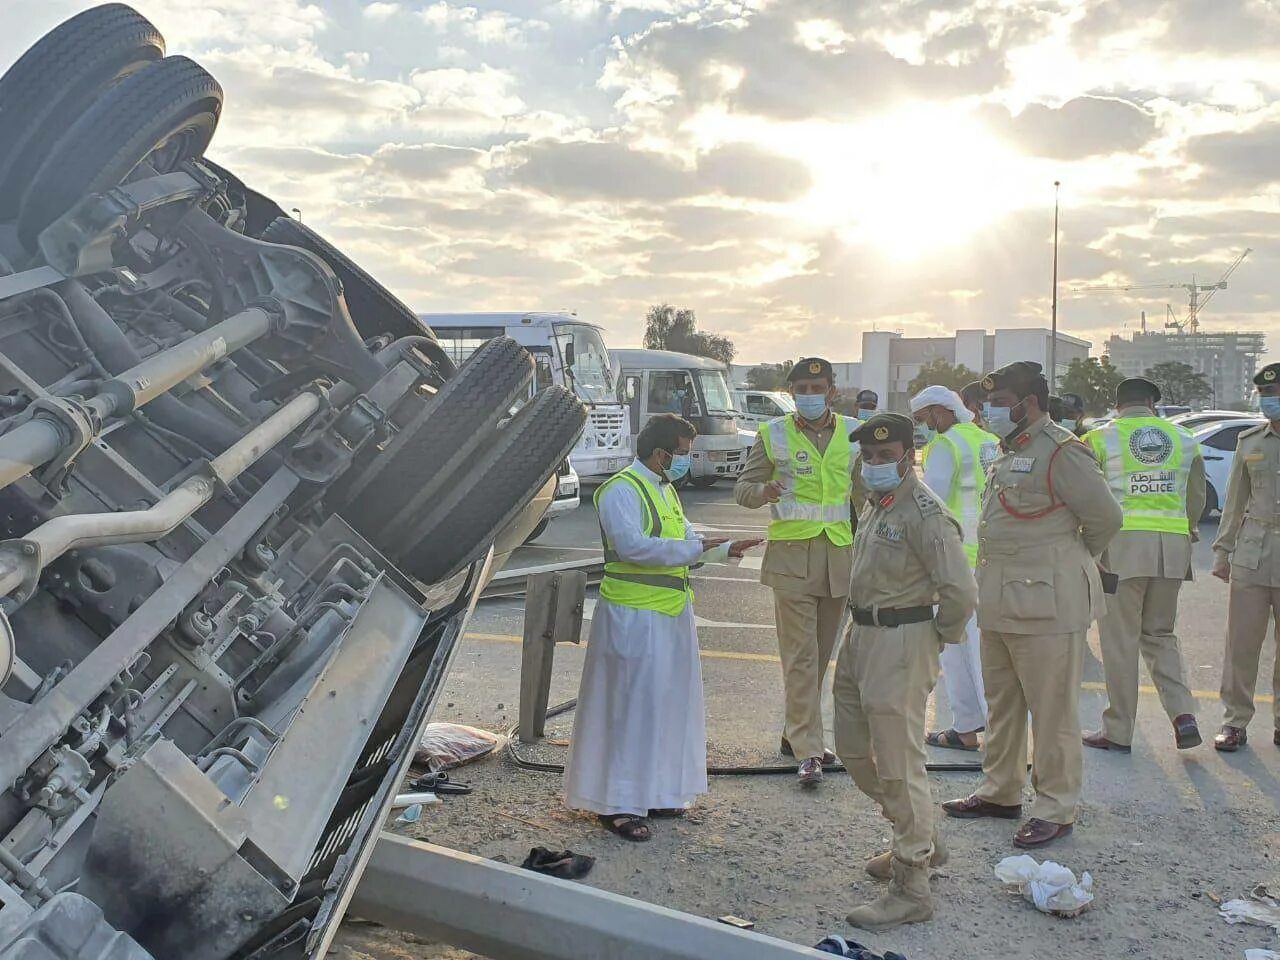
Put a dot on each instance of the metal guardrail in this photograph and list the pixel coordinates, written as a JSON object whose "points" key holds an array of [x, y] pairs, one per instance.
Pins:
{"points": [[514, 582]]}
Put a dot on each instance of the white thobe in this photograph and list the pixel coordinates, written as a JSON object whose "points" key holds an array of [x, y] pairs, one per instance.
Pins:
{"points": [[961, 662], [639, 733]]}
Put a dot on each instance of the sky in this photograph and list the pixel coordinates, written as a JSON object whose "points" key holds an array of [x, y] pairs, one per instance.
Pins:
{"points": [[795, 171]]}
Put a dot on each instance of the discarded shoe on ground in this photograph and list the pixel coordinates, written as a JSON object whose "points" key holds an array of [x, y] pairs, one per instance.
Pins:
{"points": [[564, 864], [840, 947]]}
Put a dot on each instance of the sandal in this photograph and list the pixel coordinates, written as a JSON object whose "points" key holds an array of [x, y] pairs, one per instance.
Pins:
{"points": [[564, 864], [627, 825], [668, 813], [949, 738]]}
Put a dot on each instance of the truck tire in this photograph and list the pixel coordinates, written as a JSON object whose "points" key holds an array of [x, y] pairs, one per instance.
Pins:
{"points": [[435, 445], [374, 309], [165, 113], [54, 82], [499, 484]]}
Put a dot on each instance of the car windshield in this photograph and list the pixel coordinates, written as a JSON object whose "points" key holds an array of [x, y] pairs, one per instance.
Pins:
{"points": [[785, 401], [715, 392], [591, 378]]}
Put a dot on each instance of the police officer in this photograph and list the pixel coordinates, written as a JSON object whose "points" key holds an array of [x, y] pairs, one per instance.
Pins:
{"points": [[1048, 514], [866, 403], [800, 466], [973, 396], [1247, 555], [1073, 414], [1155, 470], [912, 591]]}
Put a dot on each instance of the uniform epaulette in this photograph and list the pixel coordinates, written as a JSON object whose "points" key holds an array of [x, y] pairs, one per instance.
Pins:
{"points": [[928, 501], [1061, 435], [1251, 431]]}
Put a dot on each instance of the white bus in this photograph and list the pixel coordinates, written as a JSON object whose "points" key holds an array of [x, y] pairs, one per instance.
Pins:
{"points": [[566, 351]]}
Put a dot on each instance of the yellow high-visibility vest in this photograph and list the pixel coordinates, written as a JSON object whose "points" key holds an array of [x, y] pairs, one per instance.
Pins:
{"points": [[662, 589], [815, 494], [1147, 462], [972, 451]]}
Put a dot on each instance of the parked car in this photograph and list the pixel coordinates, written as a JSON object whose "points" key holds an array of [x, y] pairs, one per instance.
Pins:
{"points": [[1202, 418], [1218, 447], [760, 406]]}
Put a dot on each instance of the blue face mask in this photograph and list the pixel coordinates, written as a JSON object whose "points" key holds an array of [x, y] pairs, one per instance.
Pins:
{"points": [[1270, 407], [999, 419], [811, 406], [881, 477], [865, 414], [679, 467]]}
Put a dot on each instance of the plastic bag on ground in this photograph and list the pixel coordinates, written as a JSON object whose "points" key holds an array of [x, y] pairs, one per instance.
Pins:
{"points": [[447, 745], [1050, 886], [1262, 908], [1257, 954]]}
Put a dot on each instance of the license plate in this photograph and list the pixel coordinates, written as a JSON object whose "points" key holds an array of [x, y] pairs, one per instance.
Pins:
{"points": [[615, 463]]}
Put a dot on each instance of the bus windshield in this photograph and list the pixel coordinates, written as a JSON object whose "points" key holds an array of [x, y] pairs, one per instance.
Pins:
{"points": [[715, 392], [592, 378]]}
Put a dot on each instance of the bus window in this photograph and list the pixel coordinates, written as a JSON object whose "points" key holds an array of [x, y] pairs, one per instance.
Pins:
{"points": [[671, 391], [542, 374], [462, 342]]}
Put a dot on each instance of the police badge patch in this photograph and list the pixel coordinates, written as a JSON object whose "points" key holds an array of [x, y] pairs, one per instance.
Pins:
{"points": [[881, 433], [1150, 445]]}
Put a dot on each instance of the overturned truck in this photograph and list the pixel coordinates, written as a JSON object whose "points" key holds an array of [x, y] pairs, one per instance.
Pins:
{"points": [[246, 505]]}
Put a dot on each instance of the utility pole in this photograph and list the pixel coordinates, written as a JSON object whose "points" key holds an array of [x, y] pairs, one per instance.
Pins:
{"points": [[1053, 321]]}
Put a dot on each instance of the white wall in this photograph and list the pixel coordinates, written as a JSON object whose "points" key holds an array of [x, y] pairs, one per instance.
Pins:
{"points": [[875, 361], [971, 349]]}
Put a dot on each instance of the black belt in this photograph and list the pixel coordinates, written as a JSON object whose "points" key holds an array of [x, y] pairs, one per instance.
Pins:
{"points": [[891, 616]]}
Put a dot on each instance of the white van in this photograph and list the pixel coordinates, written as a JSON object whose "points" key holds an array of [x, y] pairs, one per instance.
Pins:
{"points": [[659, 381], [760, 406], [566, 351]]}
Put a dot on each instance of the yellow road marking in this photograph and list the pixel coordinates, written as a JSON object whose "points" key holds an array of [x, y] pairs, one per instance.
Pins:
{"points": [[769, 658]]}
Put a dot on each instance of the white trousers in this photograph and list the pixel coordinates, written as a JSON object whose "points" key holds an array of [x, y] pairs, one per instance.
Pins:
{"points": [[962, 679]]}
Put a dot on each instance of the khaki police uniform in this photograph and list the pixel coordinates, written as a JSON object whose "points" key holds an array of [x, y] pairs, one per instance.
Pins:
{"points": [[810, 580], [1038, 592], [1249, 537], [908, 556], [1141, 615]]}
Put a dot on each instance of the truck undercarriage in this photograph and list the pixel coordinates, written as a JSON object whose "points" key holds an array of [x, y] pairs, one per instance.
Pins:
{"points": [[247, 504]]}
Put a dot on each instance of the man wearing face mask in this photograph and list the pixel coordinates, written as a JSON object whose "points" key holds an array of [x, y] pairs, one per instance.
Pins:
{"points": [[1073, 414], [639, 743], [956, 459], [866, 403], [1156, 471], [800, 466], [1247, 555], [973, 397], [912, 592], [1047, 517]]}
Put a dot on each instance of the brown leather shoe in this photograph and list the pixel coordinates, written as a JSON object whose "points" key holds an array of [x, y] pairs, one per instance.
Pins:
{"points": [[1037, 833], [973, 807], [1275, 737], [1100, 742], [1185, 732], [1230, 739]]}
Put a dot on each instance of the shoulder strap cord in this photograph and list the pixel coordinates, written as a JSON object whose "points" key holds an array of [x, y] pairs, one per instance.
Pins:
{"points": [[1054, 502]]}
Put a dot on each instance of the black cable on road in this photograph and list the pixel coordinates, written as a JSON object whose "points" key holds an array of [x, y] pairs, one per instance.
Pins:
{"points": [[766, 770]]}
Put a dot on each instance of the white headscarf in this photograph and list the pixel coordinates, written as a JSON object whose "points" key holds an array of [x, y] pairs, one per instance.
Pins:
{"points": [[940, 396]]}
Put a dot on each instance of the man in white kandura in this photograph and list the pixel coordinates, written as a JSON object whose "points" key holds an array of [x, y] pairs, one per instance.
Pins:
{"points": [[956, 456], [639, 747]]}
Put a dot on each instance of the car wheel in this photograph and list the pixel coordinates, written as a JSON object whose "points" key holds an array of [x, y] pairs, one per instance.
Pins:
{"points": [[55, 81], [502, 480], [162, 114], [374, 309], [1211, 503], [539, 530], [408, 476]]}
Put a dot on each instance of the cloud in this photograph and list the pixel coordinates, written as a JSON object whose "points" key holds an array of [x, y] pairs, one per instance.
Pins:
{"points": [[379, 11], [1081, 127], [1238, 161], [583, 170], [745, 170], [427, 161], [485, 27]]}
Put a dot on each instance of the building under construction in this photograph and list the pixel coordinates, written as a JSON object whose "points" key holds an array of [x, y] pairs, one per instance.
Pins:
{"points": [[1228, 360]]}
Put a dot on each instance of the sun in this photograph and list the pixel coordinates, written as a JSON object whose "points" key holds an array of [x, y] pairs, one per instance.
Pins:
{"points": [[915, 181]]}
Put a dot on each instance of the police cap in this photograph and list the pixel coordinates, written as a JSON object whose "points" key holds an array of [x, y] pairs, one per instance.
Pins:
{"points": [[885, 428], [1138, 389], [1268, 375], [973, 392], [810, 368], [1072, 403], [1055, 407], [1023, 377], [867, 396]]}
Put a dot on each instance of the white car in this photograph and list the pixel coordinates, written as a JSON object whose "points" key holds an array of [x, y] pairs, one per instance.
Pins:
{"points": [[1203, 418], [567, 498], [760, 406], [1218, 447]]}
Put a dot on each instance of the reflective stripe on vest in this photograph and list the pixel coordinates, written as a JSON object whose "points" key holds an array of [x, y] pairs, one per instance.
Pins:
{"points": [[1147, 461], [816, 487], [662, 589], [972, 451]]}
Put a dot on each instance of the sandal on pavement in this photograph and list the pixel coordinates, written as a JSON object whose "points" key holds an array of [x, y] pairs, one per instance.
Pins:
{"points": [[628, 826], [949, 739], [668, 813]]}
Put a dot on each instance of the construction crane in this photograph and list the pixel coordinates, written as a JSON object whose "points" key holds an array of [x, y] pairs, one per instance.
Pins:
{"points": [[1194, 290]]}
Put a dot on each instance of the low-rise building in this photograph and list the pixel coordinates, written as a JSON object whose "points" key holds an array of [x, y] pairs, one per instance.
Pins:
{"points": [[1228, 360]]}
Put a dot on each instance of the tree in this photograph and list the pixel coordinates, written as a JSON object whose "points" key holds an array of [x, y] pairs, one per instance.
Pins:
{"points": [[1094, 380], [942, 373], [769, 376], [666, 328], [1179, 383]]}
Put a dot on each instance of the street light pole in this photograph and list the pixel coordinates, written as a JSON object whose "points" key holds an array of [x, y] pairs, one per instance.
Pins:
{"points": [[1053, 321], [298, 212]]}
